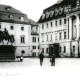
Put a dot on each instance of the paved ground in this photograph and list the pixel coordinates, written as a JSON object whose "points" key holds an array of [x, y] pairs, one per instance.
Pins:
{"points": [[30, 69]]}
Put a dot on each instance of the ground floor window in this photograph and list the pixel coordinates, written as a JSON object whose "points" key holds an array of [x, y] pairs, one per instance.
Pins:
{"points": [[42, 50], [34, 54], [73, 49], [47, 50], [60, 49], [64, 49]]}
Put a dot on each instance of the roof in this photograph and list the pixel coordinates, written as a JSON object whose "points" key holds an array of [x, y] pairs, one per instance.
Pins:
{"points": [[56, 6], [6, 11], [4, 8], [33, 23]]}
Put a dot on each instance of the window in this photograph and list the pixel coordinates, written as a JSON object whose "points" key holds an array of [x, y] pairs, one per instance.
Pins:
{"points": [[55, 36], [22, 39], [0, 26], [34, 39], [33, 47], [38, 39], [47, 37], [60, 49], [51, 24], [11, 16], [73, 49], [38, 47], [64, 21], [22, 28], [55, 23], [47, 50], [42, 50], [60, 36], [51, 37], [47, 25], [42, 26], [22, 18], [60, 22], [64, 49], [42, 37], [11, 27], [64, 35]]}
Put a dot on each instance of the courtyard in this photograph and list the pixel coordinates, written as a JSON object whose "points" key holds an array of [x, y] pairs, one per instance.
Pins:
{"points": [[30, 69]]}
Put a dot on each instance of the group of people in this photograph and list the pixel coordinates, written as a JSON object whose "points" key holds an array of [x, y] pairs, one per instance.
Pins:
{"points": [[52, 59]]}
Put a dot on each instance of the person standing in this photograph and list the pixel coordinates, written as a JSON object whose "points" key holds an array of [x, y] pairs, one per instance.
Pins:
{"points": [[41, 56], [53, 60]]}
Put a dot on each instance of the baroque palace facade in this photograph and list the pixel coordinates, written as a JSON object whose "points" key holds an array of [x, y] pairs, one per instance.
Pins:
{"points": [[15, 30], [59, 27]]}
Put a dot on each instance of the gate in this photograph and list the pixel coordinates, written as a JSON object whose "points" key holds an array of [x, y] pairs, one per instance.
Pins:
{"points": [[54, 49]]}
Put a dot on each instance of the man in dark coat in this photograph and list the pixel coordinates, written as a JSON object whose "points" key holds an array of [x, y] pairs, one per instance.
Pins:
{"points": [[41, 56], [53, 60]]}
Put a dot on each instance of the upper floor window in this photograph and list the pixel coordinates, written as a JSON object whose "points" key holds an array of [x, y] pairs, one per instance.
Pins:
{"points": [[64, 35], [42, 26], [51, 24], [60, 36], [51, 37], [22, 28], [73, 49], [11, 27], [47, 25], [55, 23], [64, 21], [47, 37], [38, 39], [55, 36], [34, 39], [42, 37], [33, 47], [0, 26], [60, 22], [38, 47], [22, 39]]}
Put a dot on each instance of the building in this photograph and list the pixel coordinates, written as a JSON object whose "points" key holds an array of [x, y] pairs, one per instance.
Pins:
{"points": [[34, 39], [16, 24], [60, 29]]}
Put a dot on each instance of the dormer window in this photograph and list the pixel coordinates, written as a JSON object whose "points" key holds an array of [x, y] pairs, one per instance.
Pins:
{"points": [[65, 9], [51, 13], [11, 16], [22, 18], [8, 8], [43, 16], [56, 12], [47, 14], [60, 10]]}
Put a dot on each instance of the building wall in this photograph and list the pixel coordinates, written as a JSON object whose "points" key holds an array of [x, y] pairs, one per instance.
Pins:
{"points": [[17, 32]]}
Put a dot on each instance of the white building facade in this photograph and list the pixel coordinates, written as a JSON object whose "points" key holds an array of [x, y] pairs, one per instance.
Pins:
{"points": [[34, 40], [60, 24], [15, 23]]}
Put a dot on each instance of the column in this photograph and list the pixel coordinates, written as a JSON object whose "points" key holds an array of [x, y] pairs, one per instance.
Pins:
{"points": [[70, 28], [77, 25]]}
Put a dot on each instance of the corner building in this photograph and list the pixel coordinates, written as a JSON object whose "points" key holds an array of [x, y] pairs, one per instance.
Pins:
{"points": [[16, 24], [60, 25]]}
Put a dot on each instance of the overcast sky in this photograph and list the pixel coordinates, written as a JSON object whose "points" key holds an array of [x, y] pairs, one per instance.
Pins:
{"points": [[33, 8]]}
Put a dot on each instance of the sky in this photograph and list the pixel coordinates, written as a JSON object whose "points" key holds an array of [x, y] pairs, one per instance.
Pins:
{"points": [[33, 8]]}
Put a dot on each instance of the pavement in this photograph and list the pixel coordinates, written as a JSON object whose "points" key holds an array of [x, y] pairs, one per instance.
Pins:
{"points": [[30, 69]]}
